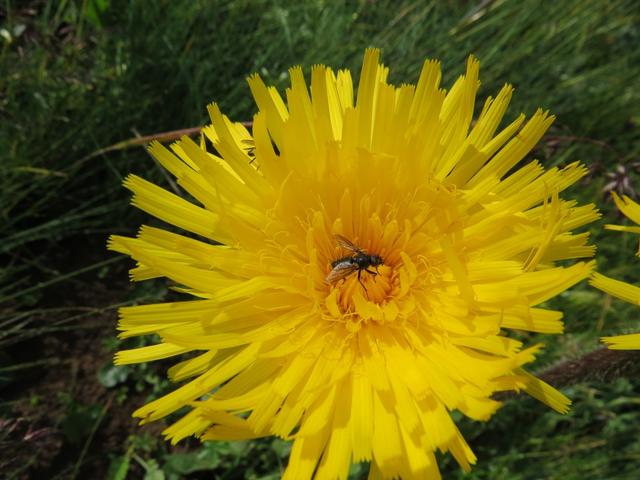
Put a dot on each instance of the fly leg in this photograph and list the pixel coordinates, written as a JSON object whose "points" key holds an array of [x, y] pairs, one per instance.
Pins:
{"points": [[360, 280], [372, 273]]}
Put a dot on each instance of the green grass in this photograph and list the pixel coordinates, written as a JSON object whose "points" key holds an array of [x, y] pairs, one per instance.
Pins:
{"points": [[77, 76]]}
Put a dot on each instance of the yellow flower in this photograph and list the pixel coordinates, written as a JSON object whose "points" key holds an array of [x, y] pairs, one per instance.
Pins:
{"points": [[355, 369], [616, 288]]}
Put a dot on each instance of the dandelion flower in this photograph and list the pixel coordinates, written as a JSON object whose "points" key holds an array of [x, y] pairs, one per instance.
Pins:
{"points": [[616, 288], [369, 368]]}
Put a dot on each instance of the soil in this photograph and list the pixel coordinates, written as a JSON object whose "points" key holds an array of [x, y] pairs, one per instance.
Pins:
{"points": [[37, 437]]}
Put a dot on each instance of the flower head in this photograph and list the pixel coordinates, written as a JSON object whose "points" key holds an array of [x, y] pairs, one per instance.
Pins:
{"points": [[617, 288], [365, 364]]}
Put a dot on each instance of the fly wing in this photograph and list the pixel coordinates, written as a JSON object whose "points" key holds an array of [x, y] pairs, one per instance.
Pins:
{"points": [[340, 271], [348, 244]]}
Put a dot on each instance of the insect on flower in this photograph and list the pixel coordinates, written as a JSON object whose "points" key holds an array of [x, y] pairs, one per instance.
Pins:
{"points": [[359, 261], [250, 149]]}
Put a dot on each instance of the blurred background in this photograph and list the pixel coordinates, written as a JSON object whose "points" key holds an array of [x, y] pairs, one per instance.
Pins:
{"points": [[80, 80]]}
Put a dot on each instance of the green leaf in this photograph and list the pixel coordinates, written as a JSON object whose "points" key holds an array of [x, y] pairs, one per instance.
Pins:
{"points": [[119, 467], [153, 471], [207, 458], [111, 375], [79, 421], [94, 10]]}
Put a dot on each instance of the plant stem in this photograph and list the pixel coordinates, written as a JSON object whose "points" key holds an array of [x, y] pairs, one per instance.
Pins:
{"points": [[601, 365]]}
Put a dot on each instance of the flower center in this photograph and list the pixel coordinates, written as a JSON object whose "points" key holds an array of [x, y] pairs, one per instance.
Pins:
{"points": [[362, 297], [363, 286]]}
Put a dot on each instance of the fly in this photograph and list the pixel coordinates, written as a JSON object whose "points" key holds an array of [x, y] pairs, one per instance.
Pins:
{"points": [[250, 149], [358, 261]]}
